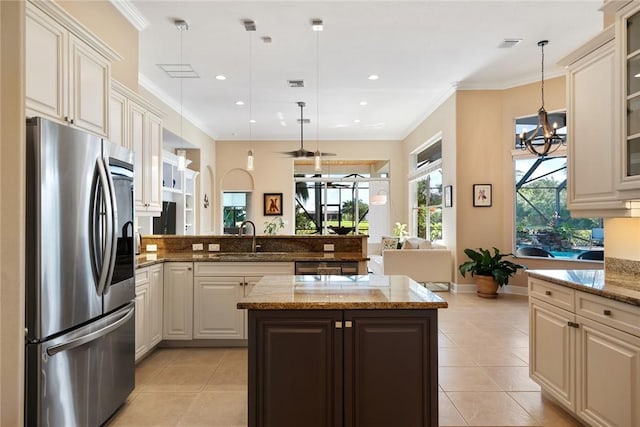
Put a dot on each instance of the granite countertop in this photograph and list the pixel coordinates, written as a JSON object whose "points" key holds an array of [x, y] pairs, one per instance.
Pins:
{"points": [[147, 259], [616, 287], [340, 293]]}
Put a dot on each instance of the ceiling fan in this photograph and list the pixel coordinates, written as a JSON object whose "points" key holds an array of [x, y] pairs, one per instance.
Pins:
{"points": [[302, 152]]}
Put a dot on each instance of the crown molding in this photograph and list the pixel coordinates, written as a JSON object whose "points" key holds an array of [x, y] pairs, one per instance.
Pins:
{"points": [[133, 15]]}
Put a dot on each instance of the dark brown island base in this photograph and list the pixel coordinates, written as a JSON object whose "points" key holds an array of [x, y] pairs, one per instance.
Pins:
{"points": [[342, 351]]}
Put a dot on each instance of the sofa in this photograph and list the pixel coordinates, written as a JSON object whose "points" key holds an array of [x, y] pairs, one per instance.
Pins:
{"points": [[422, 261]]}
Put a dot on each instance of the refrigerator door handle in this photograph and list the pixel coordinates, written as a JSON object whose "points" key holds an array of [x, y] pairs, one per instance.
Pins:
{"points": [[77, 342], [112, 237], [108, 237]]}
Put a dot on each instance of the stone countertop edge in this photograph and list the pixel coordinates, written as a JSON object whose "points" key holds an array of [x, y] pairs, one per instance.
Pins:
{"points": [[149, 259], [369, 292], [616, 288]]}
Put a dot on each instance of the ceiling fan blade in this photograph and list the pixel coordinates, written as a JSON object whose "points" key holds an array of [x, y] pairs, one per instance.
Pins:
{"points": [[328, 154]]}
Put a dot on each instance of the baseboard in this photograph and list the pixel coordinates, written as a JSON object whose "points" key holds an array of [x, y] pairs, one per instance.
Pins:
{"points": [[471, 289], [515, 290], [463, 289]]}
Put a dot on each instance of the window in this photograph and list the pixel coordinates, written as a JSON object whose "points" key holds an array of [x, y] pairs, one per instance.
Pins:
{"points": [[544, 227], [425, 185], [235, 208], [338, 200], [336, 204]]}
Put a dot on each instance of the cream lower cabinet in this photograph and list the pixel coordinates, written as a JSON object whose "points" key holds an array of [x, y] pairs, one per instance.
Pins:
{"points": [[585, 352], [178, 301], [217, 289], [67, 69], [149, 304], [552, 351]]}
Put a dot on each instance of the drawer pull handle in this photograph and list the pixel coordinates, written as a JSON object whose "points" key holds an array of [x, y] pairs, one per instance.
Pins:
{"points": [[607, 312], [573, 324], [547, 293]]}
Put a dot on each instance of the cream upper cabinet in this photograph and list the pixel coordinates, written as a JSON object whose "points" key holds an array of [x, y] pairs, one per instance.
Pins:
{"points": [[137, 125], [591, 121], [67, 70], [118, 120]]}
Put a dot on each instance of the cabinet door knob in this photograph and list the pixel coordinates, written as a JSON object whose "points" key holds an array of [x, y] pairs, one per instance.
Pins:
{"points": [[547, 293], [607, 312], [338, 324], [188, 268]]}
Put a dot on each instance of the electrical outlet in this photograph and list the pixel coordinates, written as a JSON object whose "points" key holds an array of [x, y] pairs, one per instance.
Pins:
{"points": [[329, 247], [214, 247], [152, 248], [197, 246]]}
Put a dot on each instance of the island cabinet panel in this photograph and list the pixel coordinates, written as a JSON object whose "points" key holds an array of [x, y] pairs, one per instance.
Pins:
{"points": [[343, 368], [390, 368], [296, 365]]}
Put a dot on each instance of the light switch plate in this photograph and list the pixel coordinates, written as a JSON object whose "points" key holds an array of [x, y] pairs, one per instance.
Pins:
{"points": [[152, 248], [197, 246], [214, 247], [329, 247]]}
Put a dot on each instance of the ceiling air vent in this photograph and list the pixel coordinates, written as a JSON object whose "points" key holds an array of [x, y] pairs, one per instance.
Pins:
{"points": [[509, 43], [179, 71], [295, 83]]}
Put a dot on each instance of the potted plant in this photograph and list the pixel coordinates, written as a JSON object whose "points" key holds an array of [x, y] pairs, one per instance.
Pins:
{"points": [[490, 270]]}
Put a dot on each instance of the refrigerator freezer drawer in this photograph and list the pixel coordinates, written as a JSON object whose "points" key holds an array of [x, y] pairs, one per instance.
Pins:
{"points": [[82, 377]]}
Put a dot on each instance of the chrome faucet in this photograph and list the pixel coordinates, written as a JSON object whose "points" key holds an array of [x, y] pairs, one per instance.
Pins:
{"points": [[253, 241]]}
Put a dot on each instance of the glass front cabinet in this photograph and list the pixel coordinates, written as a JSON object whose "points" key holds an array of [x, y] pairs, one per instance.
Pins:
{"points": [[628, 39]]}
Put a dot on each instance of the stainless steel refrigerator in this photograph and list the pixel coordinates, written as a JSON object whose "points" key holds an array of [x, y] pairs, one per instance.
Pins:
{"points": [[80, 290]]}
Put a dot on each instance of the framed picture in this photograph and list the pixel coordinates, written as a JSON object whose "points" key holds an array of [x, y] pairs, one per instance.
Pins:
{"points": [[482, 195], [448, 196], [272, 204]]}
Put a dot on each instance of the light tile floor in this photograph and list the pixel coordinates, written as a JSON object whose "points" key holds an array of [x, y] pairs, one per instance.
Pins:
{"points": [[483, 375]]}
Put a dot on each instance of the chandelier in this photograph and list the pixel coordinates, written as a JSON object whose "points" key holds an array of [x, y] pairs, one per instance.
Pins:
{"points": [[544, 139]]}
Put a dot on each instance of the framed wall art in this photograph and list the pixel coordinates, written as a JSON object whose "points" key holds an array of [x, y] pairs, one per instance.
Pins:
{"points": [[448, 196], [272, 204], [482, 195]]}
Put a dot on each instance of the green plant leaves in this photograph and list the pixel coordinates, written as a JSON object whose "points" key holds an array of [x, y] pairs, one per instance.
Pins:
{"points": [[483, 263]]}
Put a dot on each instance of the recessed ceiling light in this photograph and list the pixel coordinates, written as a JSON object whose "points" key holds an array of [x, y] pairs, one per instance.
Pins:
{"points": [[356, 121], [220, 77], [637, 75], [252, 121], [373, 77], [239, 102], [363, 103]]}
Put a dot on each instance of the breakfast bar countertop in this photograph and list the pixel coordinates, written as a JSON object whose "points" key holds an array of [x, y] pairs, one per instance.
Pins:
{"points": [[619, 287], [150, 258], [322, 292]]}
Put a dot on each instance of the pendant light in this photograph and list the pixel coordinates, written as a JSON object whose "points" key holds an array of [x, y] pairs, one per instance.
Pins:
{"points": [[250, 26], [544, 139], [317, 25]]}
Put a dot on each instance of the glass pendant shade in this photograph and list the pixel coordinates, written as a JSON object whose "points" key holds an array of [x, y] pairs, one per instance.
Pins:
{"points": [[250, 160], [182, 159], [317, 161]]}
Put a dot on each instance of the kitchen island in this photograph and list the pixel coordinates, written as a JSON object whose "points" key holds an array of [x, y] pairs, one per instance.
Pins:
{"points": [[342, 351]]}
